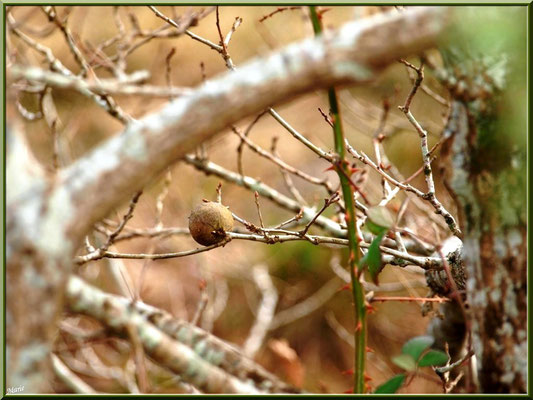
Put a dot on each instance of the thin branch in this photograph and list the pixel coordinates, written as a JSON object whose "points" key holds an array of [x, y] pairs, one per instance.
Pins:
{"points": [[286, 176], [69, 378], [256, 196], [161, 347], [236, 24], [266, 191], [265, 312], [282, 164], [307, 306], [278, 10], [430, 195], [185, 30], [327, 202], [202, 304], [161, 256], [98, 87]]}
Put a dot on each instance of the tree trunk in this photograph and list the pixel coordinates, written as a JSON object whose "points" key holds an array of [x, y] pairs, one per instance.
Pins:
{"points": [[489, 181]]}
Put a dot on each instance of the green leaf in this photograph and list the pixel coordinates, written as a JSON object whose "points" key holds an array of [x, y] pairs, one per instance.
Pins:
{"points": [[433, 358], [372, 258], [416, 346], [392, 385], [405, 361], [379, 220]]}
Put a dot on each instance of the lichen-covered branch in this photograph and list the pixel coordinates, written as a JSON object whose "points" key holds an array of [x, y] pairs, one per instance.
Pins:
{"points": [[198, 357]]}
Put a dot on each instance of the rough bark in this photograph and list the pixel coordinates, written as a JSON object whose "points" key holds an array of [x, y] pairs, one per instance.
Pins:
{"points": [[489, 183]]}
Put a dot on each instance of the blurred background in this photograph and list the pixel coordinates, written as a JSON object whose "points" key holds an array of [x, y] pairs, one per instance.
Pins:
{"points": [[311, 350]]}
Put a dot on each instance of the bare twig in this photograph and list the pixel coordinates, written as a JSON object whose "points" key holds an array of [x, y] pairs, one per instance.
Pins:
{"points": [[266, 191], [282, 164], [52, 17], [69, 378], [286, 176], [168, 68], [265, 312], [139, 359], [298, 136], [183, 29], [327, 202], [236, 24], [307, 306], [202, 304], [430, 195], [55, 65], [278, 10], [99, 87], [256, 196]]}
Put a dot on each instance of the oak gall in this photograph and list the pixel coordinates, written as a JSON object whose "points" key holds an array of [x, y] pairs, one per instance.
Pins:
{"points": [[208, 223]]}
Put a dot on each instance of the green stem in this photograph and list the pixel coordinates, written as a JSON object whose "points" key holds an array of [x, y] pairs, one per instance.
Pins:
{"points": [[343, 170]]}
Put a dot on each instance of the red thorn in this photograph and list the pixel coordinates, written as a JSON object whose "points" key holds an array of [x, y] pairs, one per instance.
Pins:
{"points": [[358, 327], [331, 168], [366, 377], [369, 350], [348, 372], [345, 287], [370, 309], [348, 391], [347, 218]]}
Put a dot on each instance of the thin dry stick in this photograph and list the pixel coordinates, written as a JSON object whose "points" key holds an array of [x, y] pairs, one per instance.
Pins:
{"points": [[241, 143], [184, 30], [219, 192], [236, 24], [139, 359], [202, 304], [326, 117], [55, 65], [160, 256], [26, 114], [120, 64], [278, 10], [97, 88], [327, 202], [307, 306], [224, 52], [377, 140], [340, 330], [405, 298], [168, 68], [99, 253], [265, 311], [430, 195], [439, 99], [296, 218], [282, 164], [159, 203], [256, 195], [62, 25], [70, 378], [286, 176], [301, 138]]}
